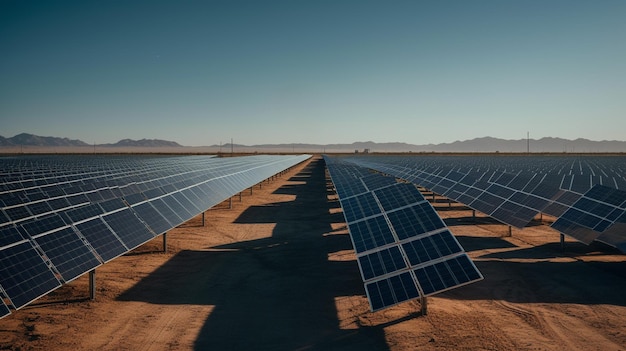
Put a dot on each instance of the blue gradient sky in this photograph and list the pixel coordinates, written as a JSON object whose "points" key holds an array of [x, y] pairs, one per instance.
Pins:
{"points": [[202, 72]]}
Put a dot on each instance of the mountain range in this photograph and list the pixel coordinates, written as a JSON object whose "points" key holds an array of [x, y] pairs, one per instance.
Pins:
{"points": [[485, 144], [25, 139]]}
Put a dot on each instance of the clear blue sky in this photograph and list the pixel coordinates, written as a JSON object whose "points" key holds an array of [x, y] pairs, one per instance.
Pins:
{"points": [[202, 72]]}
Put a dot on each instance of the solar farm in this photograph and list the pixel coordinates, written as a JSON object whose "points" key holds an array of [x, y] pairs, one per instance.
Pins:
{"points": [[385, 252]]}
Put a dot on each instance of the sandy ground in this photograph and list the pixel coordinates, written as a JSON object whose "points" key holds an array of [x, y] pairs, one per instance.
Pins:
{"points": [[276, 272]]}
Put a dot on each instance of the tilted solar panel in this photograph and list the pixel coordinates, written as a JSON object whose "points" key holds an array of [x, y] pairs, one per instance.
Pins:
{"points": [[62, 216], [396, 233], [24, 275]]}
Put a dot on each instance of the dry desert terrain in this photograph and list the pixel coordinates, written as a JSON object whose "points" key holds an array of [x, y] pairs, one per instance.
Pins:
{"points": [[277, 272]]}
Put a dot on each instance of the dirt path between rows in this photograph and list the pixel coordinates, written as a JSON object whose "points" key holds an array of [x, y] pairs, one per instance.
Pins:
{"points": [[277, 272]]}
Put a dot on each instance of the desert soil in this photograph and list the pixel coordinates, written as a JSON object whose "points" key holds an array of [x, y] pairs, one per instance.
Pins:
{"points": [[277, 272]]}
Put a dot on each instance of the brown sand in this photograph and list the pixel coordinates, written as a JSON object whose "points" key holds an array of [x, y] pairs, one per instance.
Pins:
{"points": [[276, 272]]}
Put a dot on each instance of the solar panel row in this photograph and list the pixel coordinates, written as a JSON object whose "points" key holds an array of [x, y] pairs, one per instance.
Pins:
{"points": [[63, 216], [397, 236], [585, 194]]}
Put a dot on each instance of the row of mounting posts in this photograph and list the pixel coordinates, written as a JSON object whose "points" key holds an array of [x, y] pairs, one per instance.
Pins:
{"points": [[92, 273]]}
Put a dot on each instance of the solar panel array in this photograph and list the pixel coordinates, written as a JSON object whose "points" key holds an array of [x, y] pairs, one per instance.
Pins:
{"points": [[585, 194], [403, 248], [62, 216]]}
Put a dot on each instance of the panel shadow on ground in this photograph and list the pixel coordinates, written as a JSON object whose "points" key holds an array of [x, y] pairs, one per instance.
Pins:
{"points": [[271, 293]]}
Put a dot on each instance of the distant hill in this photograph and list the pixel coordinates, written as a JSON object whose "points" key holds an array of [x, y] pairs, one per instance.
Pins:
{"points": [[26, 139], [143, 143], [485, 144]]}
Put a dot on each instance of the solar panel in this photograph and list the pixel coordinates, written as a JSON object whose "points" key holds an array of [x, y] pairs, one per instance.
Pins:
{"points": [[593, 213], [102, 239], [381, 262], [391, 291], [513, 189], [129, 228], [9, 235], [442, 276], [24, 275], [359, 207], [415, 220], [370, 234], [68, 253], [152, 218], [4, 310], [398, 195], [394, 231]]}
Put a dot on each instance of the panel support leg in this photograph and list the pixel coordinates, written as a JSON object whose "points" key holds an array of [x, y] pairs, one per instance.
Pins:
{"points": [[424, 303], [562, 241], [510, 234], [474, 214], [92, 284], [240, 200], [203, 219], [449, 203], [165, 240], [230, 203]]}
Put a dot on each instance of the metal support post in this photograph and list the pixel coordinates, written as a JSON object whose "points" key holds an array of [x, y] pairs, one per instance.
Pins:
{"points": [[203, 219], [165, 242], [474, 214], [230, 203], [562, 242], [424, 304], [449, 203], [510, 232], [92, 284], [240, 200]]}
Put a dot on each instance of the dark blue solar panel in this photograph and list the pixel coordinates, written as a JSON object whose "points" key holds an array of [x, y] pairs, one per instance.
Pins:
{"points": [[58, 203], [3, 218], [102, 239], [128, 228], [377, 181], [134, 198], [608, 195], [399, 195], [17, 213], [167, 212], [370, 234], [381, 262], [68, 253], [24, 275], [486, 203], [415, 220], [152, 218], [4, 310], [359, 207], [83, 212], [180, 211], [39, 208], [431, 247], [44, 224], [9, 235], [111, 205], [391, 291], [444, 275], [186, 203], [514, 214], [77, 199]]}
